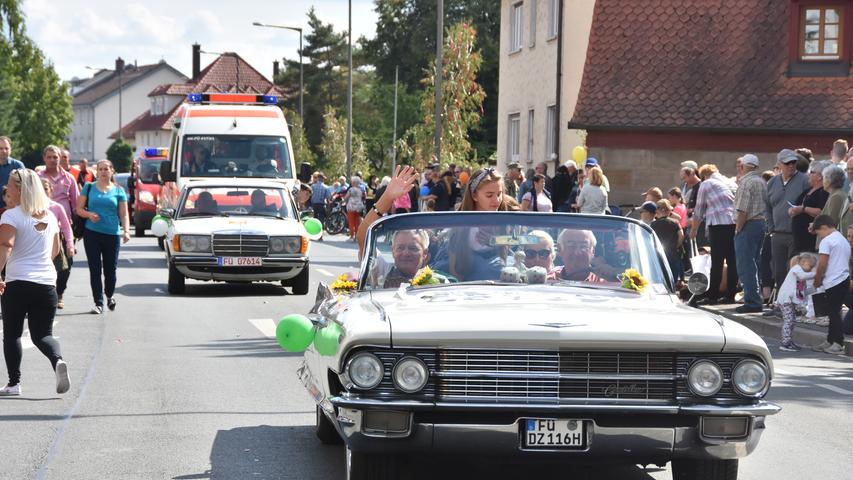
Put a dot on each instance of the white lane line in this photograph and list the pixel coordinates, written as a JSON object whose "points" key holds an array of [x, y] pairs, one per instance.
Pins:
{"points": [[265, 325], [783, 372], [324, 272], [833, 388]]}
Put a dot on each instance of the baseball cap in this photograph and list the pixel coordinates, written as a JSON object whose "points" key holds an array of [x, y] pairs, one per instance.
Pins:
{"points": [[513, 165], [649, 207], [572, 163], [690, 164], [750, 159], [591, 162], [786, 156]]}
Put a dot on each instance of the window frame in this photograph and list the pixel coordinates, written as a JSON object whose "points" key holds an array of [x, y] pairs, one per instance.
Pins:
{"points": [[516, 27], [801, 36], [553, 21], [514, 136], [531, 42], [531, 134], [551, 131]]}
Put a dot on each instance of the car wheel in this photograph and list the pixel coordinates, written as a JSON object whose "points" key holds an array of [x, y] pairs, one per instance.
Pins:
{"points": [[325, 431], [138, 228], [362, 466], [300, 282], [704, 469], [177, 282], [161, 243]]}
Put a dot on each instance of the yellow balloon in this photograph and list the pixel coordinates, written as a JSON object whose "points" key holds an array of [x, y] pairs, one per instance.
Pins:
{"points": [[579, 154]]}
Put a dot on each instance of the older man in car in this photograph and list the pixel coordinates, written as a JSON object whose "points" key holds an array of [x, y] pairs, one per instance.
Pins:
{"points": [[410, 250], [577, 249]]}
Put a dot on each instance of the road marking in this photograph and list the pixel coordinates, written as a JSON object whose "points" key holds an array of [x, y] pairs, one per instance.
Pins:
{"points": [[325, 272], [129, 260], [266, 326], [783, 372], [835, 389]]}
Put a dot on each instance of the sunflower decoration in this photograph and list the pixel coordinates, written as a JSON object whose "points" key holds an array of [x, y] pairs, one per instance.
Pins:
{"points": [[425, 276], [344, 284], [632, 280]]}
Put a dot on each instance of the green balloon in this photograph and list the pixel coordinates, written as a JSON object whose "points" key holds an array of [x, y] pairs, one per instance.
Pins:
{"points": [[327, 340], [294, 333], [313, 226]]}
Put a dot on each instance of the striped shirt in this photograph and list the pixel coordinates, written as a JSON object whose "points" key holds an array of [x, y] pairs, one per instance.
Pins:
{"points": [[715, 201], [751, 196]]}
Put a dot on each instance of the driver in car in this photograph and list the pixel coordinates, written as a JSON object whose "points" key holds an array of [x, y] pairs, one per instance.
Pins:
{"points": [[200, 161], [263, 161], [410, 249], [259, 203], [577, 249], [205, 204]]}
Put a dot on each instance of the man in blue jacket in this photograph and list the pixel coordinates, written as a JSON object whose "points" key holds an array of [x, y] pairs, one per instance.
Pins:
{"points": [[7, 164]]}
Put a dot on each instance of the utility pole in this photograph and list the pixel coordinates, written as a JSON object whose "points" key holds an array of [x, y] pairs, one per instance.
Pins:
{"points": [[349, 98], [439, 72], [120, 136], [394, 141]]}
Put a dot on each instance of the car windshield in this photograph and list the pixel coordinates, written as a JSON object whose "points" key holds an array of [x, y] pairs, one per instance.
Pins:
{"points": [[235, 156], [148, 170], [502, 247], [235, 201]]}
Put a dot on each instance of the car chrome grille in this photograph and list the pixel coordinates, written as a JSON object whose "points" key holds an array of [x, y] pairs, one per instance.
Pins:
{"points": [[237, 245], [542, 377]]}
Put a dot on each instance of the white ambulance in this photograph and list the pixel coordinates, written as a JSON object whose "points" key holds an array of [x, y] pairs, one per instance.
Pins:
{"points": [[229, 135]]}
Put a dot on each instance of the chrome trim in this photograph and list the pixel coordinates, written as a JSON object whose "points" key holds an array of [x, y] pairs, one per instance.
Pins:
{"points": [[554, 376], [719, 371], [365, 354], [747, 431], [766, 378], [397, 365]]}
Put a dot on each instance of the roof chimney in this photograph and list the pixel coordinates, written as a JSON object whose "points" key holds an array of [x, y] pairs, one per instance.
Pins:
{"points": [[119, 65], [196, 61], [274, 70]]}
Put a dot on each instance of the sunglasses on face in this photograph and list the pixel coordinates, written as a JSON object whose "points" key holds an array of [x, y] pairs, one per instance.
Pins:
{"points": [[540, 253]]}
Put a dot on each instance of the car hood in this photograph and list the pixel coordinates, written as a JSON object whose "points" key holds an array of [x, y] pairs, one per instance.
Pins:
{"points": [[242, 224], [543, 317]]}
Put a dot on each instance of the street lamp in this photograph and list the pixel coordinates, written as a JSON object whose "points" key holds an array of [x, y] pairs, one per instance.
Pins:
{"points": [[301, 85], [118, 71]]}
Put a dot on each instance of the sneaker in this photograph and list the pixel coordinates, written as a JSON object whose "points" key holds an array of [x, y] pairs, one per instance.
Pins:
{"points": [[60, 304], [111, 303], [63, 383], [822, 322], [10, 390], [97, 310], [748, 309], [790, 347], [809, 320], [835, 349], [821, 347]]}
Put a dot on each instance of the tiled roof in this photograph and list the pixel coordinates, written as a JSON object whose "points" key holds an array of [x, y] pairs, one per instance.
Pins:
{"points": [[694, 64], [110, 84]]}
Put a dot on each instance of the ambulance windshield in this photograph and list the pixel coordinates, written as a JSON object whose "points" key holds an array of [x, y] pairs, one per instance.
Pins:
{"points": [[235, 156]]}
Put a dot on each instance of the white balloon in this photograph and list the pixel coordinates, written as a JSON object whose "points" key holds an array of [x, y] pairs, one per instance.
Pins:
{"points": [[159, 227]]}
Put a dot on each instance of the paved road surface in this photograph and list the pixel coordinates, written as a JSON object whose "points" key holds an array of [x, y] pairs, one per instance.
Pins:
{"points": [[195, 387]]}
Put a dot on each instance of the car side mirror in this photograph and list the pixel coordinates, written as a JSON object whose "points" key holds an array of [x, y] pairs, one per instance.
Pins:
{"points": [[698, 283], [167, 212], [306, 214], [324, 293]]}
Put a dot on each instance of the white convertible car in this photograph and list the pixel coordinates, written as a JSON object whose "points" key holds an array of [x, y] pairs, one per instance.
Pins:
{"points": [[237, 231]]}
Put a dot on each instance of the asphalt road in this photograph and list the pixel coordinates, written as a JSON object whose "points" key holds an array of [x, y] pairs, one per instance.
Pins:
{"points": [[195, 387]]}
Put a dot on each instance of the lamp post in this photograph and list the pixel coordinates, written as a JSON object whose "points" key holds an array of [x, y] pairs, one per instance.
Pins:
{"points": [[349, 97], [118, 71], [439, 73], [301, 85]]}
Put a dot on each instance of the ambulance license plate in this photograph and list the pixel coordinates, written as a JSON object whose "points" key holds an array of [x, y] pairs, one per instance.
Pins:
{"points": [[553, 433], [239, 261]]}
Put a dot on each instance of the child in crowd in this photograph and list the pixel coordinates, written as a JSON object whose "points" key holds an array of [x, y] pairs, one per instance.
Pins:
{"points": [[831, 280], [794, 292], [671, 236], [647, 212]]}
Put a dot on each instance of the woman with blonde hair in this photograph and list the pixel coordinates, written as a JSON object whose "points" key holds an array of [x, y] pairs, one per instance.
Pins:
{"points": [[104, 206], [593, 197], [29, 240]]}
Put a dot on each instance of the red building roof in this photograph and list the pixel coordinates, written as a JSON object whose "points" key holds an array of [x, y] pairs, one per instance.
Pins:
{"points": [[699, 65]]}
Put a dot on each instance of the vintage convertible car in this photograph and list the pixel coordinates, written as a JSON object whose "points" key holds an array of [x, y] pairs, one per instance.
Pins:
{"points": [[237, 230], [536, 337]]}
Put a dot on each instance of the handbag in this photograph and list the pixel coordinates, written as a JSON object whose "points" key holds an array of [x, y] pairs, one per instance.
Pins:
{"points": [[78, 223], [60, 261]]}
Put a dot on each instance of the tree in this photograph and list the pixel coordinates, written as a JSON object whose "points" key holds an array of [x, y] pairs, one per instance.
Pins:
{"points": [[121, 154], [302, 152], [462, 101], [333, 157]]}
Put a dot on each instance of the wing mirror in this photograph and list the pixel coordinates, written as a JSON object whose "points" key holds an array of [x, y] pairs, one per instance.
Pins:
{"points": [[167, 212], [306, 214], [698, 283]]}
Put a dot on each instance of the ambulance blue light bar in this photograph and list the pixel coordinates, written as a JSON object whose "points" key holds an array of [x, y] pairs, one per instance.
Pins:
{"points": [[156, 152], [232, 98]]}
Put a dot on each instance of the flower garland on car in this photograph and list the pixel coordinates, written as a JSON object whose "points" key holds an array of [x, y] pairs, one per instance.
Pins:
{"points": [[632, 280], [344, 284]]}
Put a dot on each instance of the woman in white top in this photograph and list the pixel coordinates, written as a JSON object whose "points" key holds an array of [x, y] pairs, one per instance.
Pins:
{"points": [[29, 240], [538, 199], [593, 197]]}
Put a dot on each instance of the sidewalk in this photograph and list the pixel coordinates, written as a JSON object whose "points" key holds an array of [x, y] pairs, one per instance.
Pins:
{"points": [[805, 335]]}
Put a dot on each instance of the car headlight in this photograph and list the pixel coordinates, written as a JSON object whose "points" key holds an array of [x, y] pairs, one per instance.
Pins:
{"points": [[195, 243], [146, 197], [365, 370], [410, 375], [705, 378], [285, 245], [750, 378]]}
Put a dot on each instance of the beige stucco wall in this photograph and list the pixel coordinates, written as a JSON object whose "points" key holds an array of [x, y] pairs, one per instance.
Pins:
{"points": [[528, 78]]}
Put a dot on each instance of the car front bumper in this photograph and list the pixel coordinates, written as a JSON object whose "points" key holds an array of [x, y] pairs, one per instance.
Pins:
{"points": [[641, 433], [272, 269]]}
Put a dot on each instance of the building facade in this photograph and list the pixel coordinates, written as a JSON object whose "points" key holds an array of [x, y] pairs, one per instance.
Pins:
{"points": [[531, 129]]}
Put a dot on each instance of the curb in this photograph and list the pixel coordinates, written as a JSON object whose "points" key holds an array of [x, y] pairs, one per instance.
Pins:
{"points": [[804, 334]]}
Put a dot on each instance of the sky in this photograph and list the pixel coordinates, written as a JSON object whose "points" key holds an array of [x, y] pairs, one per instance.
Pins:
{"points": [[75, 34]]}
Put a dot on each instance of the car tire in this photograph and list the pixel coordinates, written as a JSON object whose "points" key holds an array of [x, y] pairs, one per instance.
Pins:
{"points": [[138, 228], [177, 282], [325, 431], [362, 466], [300, 282], [704, 469]]}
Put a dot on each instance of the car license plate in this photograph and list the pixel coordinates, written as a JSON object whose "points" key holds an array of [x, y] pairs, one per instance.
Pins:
{"points": [[239, 261], [553, 433]]}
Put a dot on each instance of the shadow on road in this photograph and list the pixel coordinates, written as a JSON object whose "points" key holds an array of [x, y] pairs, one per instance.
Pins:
{"points": [[205, 289], [267, 452], [244, 347]]}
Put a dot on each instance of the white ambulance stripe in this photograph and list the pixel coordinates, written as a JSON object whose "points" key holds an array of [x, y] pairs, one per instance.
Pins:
{"points": [[265, 326]]}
